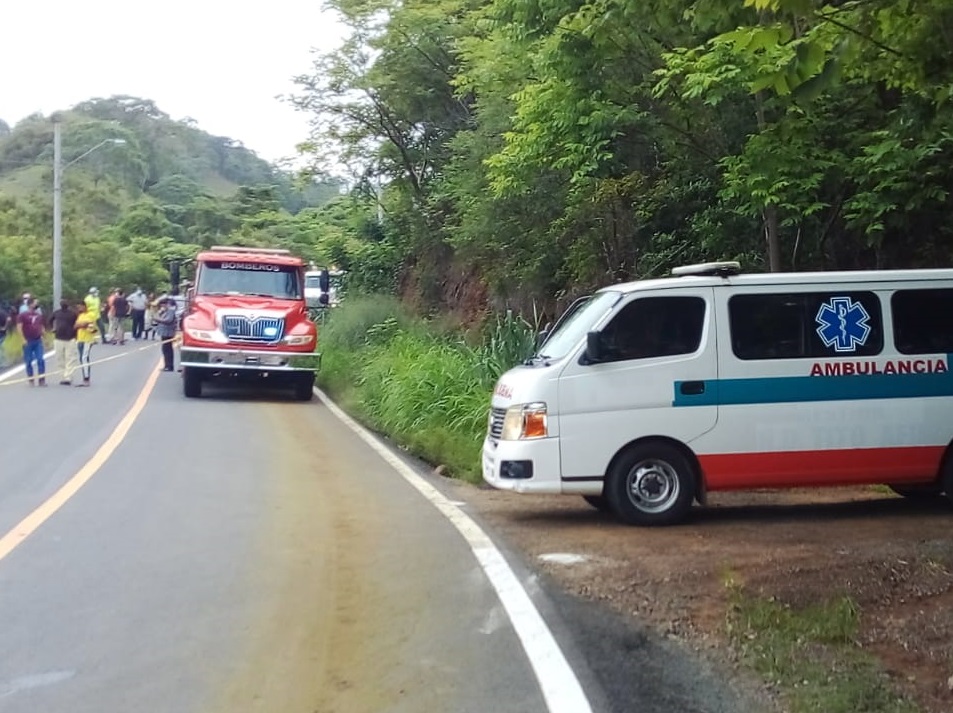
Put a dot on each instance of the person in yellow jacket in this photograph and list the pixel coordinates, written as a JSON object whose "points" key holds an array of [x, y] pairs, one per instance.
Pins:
{"points": [[95, 305], [87, 332]]}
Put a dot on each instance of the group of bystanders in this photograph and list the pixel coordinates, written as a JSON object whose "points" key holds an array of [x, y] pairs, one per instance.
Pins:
{"points": [[77, 327]]}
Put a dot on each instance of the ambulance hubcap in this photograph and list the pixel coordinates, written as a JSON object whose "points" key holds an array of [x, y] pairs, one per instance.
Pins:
{"points": [[652, 485]]}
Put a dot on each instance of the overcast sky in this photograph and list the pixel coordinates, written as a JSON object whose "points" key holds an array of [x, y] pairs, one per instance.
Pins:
{"points": [[221, 63]]}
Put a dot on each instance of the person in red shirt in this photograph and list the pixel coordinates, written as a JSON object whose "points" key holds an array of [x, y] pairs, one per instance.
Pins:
{"points": [[31, 326]]}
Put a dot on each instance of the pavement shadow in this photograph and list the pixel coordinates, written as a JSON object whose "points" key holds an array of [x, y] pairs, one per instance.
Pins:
{"points": [[885, 508]]}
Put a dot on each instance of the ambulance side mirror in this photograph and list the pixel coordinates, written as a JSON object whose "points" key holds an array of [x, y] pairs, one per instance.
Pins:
{"points": [[324, 281]]}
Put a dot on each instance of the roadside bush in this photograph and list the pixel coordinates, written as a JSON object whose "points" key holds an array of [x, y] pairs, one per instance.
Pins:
{"points": [[351, 325], [507, 341], [12, 347], [344, 338], [416, 383]]}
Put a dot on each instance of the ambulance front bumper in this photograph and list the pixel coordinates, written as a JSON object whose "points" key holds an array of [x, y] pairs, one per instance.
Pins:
{"points": [[530, 466]]}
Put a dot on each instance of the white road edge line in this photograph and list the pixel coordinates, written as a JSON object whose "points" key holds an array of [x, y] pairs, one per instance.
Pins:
{"points": [[17, 369], [557, 681]]}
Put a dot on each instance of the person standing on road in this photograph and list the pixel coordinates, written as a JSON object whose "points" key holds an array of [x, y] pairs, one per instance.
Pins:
{"points": [[109, 314], [87, 330], [120, 310], [165, 326], [137, 306], [63, 322], [94, 304], [32, 330], [4, 320], [151, 310]]}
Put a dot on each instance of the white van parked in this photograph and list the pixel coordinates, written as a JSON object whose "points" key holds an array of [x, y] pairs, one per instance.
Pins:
{"points": [[649, 394]]}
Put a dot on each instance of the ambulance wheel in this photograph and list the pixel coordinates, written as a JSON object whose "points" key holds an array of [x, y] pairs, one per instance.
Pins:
{"points": [[918, 492], [599, 502], [946, 479], [651, 484], [191, 382]]}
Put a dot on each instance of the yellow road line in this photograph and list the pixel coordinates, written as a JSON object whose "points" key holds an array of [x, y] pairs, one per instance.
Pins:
{"points": [[44, 512]]}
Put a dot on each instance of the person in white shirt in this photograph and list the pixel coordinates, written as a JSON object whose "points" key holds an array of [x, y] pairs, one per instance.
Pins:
{"points": [[137, 305]]}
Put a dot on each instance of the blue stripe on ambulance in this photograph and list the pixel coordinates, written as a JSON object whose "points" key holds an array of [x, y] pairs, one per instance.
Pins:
{"points": [[794, 389]]}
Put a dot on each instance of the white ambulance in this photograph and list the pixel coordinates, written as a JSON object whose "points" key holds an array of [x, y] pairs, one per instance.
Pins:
{"points": [[647, 395]]}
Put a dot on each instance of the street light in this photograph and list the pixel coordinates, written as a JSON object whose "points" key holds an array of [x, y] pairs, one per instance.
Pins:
{"points": [[58, 168]]}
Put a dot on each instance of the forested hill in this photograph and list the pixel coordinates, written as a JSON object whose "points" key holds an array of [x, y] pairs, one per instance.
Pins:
{"points": [[140, 190], [161, 157]]}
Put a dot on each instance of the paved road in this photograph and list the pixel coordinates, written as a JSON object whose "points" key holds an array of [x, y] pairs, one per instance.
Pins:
{"points": [[242, 552], [245, 552]]}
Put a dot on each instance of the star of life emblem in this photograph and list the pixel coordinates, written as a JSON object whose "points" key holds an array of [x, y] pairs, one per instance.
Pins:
{"points": [[843, 324]]}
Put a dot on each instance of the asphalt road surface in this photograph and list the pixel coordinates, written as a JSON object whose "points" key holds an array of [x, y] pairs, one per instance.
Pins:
{"points": [[245, 552]]}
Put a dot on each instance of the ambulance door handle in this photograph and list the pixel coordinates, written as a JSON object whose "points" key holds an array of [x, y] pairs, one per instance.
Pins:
{"points": [[692, 388]]}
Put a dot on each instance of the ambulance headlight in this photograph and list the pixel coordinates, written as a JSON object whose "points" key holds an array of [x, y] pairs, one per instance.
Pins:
{"points": [[525, 421]]}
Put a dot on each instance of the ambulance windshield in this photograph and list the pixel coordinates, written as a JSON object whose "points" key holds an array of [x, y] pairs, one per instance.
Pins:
{"points": [[573, 329]]}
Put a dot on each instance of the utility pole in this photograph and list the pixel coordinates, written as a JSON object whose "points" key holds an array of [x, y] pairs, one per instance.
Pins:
{"points": [[57, 216], [58, 167]]}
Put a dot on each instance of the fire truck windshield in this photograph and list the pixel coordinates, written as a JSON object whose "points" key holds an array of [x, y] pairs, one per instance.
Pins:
{"points": [[241, 278]]}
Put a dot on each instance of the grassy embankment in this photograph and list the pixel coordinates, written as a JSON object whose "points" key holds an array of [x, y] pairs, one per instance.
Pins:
{"points": [[418, 382]]}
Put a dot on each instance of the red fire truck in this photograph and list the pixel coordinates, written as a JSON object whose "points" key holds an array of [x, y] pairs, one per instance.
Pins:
{"points": [[247, 319]]}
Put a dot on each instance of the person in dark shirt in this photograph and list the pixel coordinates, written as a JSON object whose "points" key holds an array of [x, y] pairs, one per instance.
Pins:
{"points": [[120, 308], [4, 318], [32, 329], [165, 325], [63, 322]]}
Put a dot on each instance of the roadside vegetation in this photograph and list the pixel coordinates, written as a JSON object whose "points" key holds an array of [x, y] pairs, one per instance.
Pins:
{"points": [[424, 383], [809, 654]]}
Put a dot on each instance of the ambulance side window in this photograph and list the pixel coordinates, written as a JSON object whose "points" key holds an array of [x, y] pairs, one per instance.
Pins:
{"points": [[805, 325], [654, 327], [922, 321]]}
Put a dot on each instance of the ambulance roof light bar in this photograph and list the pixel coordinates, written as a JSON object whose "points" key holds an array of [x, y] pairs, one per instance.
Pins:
{"points": [[718, 269]]}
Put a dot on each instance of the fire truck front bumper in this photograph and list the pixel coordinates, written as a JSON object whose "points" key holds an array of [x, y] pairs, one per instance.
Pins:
{"points": [[247, 359]]}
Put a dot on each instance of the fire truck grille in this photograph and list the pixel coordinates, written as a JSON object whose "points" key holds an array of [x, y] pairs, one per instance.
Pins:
{"points": [[255, 330]]}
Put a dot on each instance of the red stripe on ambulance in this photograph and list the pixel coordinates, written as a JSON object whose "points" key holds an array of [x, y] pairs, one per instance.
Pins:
{"points": [[849, 466]]}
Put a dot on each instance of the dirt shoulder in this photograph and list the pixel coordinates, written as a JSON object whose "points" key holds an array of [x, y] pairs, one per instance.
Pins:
{"points": [[892, 557]]}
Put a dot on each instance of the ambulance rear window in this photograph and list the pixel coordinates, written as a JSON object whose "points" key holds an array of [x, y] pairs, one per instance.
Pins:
{"points": [[805, 325], [922, 321]]}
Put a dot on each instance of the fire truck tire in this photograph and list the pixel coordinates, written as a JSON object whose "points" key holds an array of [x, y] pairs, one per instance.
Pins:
{"points": [[304, 386], [191, 382]]}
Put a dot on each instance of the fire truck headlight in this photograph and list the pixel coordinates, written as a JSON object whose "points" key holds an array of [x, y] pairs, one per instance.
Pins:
{"points": [[205, 335], [298, 339]]}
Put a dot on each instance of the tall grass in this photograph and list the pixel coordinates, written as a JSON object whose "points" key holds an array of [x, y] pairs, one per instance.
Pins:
{"points": [[507, 341], [11, 351], [416, 382]]}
